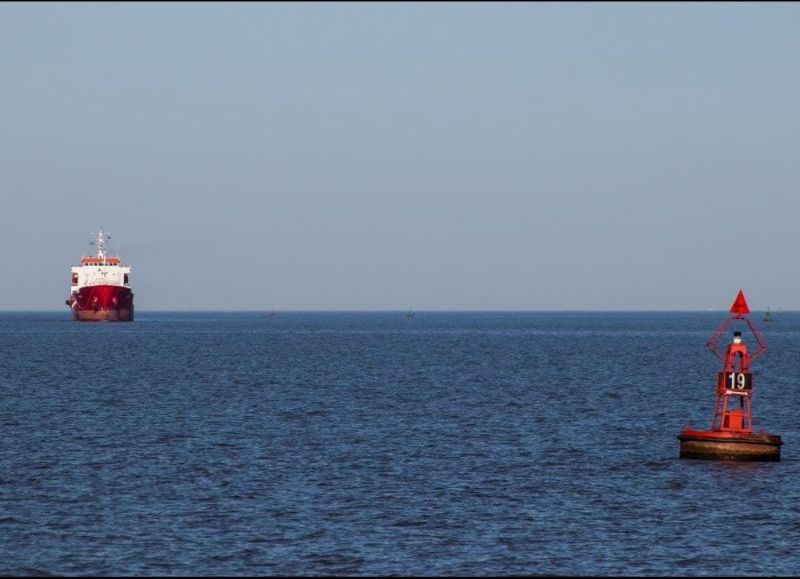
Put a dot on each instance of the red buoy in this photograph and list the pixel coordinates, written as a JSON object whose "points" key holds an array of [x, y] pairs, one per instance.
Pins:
{"points": [[731, 436]]}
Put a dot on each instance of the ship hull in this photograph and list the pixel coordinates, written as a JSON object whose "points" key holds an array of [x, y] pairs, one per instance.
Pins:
{"points": [[102, 303]]}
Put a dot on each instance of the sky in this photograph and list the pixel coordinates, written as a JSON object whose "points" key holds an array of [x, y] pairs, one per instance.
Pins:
{"points": [[381, 156]]}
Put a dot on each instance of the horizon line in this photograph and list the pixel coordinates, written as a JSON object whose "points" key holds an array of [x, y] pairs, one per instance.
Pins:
{"points": [[392, 310]]}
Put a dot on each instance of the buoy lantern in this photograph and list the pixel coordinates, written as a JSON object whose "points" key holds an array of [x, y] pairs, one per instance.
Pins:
{"points": [[731, 436]]}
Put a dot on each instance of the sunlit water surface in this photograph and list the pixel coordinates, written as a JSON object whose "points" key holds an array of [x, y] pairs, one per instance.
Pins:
{"points": [[373, 443]]}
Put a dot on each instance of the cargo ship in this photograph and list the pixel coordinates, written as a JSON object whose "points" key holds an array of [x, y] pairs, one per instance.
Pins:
{"points": [[101, 289]]}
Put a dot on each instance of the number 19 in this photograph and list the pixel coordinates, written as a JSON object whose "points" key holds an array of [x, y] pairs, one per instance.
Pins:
{"points": [[737, 380]]}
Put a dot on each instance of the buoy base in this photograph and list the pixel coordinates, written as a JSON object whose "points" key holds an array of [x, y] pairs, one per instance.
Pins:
{"points": [[726, 445]]}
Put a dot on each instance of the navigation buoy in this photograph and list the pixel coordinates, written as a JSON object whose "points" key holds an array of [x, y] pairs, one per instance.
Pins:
{"points": [[731, 436]]}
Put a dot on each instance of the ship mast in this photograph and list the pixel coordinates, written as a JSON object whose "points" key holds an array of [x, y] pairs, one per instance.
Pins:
{"points": [[102, 238]]}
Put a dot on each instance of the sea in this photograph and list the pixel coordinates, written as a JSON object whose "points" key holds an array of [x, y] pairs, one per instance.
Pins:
{"points": [[373, 443]]}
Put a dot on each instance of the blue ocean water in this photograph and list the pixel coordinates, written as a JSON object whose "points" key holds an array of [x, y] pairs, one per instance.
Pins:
{"points": [[371, 443]]}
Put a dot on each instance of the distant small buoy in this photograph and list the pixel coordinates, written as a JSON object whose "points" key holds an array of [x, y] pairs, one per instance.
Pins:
{"points": [[731, 436]]}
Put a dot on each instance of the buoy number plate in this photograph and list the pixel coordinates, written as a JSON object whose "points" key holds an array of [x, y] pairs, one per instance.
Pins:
{"points": [[736, 381]]}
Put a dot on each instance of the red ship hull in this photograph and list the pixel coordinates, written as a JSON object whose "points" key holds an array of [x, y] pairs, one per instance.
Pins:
{"points": [[100, 303]]}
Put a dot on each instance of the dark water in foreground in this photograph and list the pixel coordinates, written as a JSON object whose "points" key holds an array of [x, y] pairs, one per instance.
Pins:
{"points": [[368, 443]]}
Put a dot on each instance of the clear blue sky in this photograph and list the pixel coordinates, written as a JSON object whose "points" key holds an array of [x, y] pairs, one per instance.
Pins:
{"points": [[381, 156]]}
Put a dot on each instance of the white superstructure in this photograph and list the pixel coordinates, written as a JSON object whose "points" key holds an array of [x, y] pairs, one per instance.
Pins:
{"points": [[100, 269]]}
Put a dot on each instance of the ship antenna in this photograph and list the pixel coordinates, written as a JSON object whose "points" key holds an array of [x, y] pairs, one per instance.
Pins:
{"points": [[102, 238]]}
